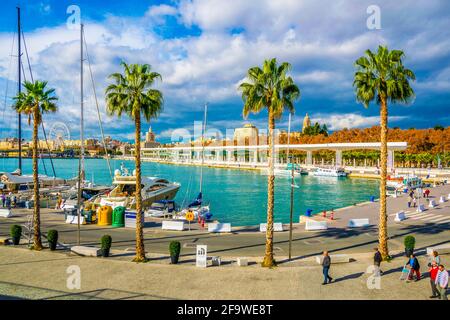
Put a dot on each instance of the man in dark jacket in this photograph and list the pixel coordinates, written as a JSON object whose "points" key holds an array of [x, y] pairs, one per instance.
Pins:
{"points": [[415, 267], [377, 258], [326, 263]]}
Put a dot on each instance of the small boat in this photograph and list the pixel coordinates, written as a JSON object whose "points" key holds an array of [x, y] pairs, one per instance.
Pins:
{"points": [[287, 172], [329, 172], [124, 189], [200, 210], [161, 209]]}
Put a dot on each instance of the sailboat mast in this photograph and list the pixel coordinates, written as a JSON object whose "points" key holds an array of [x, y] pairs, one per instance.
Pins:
{"points": [[82, 101], [19, 65], [81, 158], [203, 146]]}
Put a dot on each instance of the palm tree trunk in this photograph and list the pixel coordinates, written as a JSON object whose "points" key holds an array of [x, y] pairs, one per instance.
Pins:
{"points": [[268, 257], [140, 249], [37, 244], [382, 232]]}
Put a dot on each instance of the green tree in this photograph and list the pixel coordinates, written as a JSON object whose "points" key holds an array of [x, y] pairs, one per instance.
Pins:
{"points": [[269, 88], [382, 77], [131, 94], [34, 102]]}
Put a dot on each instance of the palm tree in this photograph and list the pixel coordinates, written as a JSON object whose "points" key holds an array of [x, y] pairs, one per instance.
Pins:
{"points": [[272, 89], [132, 94], [35, 101], [382, 77]]}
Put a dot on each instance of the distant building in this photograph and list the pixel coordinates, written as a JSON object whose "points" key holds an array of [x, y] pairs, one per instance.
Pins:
{"points": [[150, 139], [246, 135], [306, 123]]}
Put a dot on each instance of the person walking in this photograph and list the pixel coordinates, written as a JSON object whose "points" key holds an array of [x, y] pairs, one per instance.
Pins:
{"points": [[414, 201], [3, 199], [434, 269], [442, 282], [415, 267], [326, 263], [377, 259], [435, 258]]}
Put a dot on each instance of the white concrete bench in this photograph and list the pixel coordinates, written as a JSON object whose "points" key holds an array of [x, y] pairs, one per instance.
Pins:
{"points": [[277, 227], [86, 251], [358, 223], [432, 204], [400, 216], [312, 225], [442, 199], [242, 262], [74, 220], [5, 213], [441, 249], [219, 227], [420, 208], [335, 258], [173, 225]]}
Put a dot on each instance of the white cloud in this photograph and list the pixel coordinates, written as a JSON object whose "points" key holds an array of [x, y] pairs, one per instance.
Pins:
{"points": [[350, 120]]}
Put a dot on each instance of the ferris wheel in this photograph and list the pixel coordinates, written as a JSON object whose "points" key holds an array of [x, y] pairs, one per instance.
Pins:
{"points": [[59, 132]]}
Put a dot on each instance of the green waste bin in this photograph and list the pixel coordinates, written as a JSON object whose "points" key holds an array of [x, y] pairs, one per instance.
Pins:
{"points": [[88, 215], [118, 217]]}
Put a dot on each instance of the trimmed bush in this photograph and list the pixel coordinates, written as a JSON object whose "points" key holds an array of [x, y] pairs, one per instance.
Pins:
{"points": [[174, 249], [52, 237], [409, 242], [106, 241], [16, 234]]}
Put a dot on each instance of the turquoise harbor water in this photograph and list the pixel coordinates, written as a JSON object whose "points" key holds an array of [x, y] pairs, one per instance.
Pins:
{"points": [[236, 196]]}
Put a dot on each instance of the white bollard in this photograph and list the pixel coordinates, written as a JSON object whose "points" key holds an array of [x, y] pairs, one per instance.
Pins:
{"points": [[448, 196], [420, 208], [442, 199], [432, 204]]}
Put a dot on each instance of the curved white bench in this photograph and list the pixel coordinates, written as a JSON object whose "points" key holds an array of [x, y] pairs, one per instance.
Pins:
{"points": [[219, 227], [5, 213], [358, 223], [335, 258], [277, 227], [86, 251], [173, 225], [441, 249], [312, 225]]}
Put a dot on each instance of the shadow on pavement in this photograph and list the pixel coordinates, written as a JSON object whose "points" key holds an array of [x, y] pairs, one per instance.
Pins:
{"points": [[349, 277]]}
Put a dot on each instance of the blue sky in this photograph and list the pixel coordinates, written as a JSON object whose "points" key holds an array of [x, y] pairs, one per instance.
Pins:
{"points": [[203, 49]]}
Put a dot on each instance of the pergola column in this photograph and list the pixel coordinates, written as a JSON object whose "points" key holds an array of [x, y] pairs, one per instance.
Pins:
{"points": [[338, 158], [309, 160], [390, 160]]}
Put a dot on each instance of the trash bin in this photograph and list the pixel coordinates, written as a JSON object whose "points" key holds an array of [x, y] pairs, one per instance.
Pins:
{"points": [[308, 212], [87, 215], [372, 198], [118, 217], [104, 216]]}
